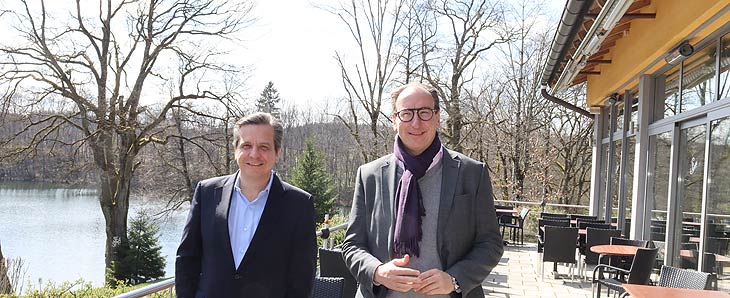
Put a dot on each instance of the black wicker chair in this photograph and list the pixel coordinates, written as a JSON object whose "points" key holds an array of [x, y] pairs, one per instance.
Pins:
{"points": [[582, 216], [516, 224], [599, 224], [639, 273], [331, 264], [559, 246], [673, 277], [541, 222], [553, 215], [595, 237], [625, 262], [328, 287]]}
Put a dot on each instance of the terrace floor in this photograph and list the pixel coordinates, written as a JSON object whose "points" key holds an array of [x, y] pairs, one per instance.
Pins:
{"points": [[517, 275]]}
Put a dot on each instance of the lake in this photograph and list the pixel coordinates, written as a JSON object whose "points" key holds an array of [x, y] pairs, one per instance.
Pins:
{"points": [[59, 232]]}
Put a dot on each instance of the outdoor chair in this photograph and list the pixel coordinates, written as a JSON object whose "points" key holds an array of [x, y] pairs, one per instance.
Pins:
{"points": [[598, 223], [596, 237], [559, 247], [541, 222], [516, 224], [503, 218], [328, 287], [639, 273], [673, 277], [625, 262], [583, 225], [582, 216], [554, 215], [331, 264]]}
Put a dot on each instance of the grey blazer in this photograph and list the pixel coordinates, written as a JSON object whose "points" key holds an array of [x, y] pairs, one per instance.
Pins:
{"points": [[469, 243]]}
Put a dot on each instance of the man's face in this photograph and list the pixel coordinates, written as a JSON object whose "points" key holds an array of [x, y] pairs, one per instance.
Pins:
{"points": [[416, 134], [255, 153]]}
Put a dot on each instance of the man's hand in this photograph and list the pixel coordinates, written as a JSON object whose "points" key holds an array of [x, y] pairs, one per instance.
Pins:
{"points": [[395, 276], [434, 282]]}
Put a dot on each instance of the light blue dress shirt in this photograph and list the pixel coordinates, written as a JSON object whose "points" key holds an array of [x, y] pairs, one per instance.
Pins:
{"points": [[244, 217]]}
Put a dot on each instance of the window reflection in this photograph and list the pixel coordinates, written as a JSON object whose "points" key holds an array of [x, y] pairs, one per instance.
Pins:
{"points": [[717, 227], [657, 182], [698, 79], [671, 92], [689, 195], [725, 68]]}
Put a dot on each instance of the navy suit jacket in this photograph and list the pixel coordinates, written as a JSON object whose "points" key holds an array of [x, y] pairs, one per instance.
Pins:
{"points": [[280, 262]]}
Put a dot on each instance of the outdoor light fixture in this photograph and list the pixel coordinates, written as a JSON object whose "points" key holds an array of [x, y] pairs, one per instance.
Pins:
{"points": [[593, 45], [678, 53], [618, 11]]}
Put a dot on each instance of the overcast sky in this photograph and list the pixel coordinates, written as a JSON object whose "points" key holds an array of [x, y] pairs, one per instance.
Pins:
{"points": [[293, 43]]}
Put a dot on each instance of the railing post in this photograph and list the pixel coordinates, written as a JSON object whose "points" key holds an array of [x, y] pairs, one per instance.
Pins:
{"points": [[326, 226]]}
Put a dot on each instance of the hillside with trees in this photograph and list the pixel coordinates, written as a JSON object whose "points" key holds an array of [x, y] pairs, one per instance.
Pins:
{"points": [[125, 97]]}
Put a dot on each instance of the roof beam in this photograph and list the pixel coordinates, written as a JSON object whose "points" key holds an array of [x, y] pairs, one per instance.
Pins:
{"points": [[629, 16], [599, 61]]}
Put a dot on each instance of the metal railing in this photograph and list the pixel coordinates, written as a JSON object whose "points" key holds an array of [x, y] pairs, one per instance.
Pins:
{"points": [[540, 203], [323, 233], [151, 289]]}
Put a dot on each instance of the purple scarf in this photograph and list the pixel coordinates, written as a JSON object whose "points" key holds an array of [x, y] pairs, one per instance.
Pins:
{"points": [[409, 200]]}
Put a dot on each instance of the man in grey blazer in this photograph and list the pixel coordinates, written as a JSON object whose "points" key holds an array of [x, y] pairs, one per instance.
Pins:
{"points": [[422, 221]]}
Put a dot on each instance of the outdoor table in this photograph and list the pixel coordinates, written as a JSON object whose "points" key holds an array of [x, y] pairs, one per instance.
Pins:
{"points": [[615, 250], [642, 291], [509, 211]]}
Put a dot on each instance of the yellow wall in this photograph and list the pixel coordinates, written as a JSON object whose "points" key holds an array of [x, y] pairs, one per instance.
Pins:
{"points": [[650, 39]]}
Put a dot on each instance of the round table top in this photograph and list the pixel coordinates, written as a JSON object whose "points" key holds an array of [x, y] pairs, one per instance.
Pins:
{"points": [[615, 250], [642, 291], [507, 210]]}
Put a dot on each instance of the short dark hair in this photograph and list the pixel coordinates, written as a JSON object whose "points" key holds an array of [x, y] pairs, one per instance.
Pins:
{"points": [[260, 118], [394, 95]]}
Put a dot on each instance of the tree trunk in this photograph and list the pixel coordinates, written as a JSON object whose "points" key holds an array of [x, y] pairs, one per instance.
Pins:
{"points": [[454, 125], [5, 286], [114, 201], [115, 154]]}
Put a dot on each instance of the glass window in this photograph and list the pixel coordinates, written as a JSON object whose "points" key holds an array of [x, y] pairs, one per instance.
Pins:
{"points": [[689, 195], [619, 117], [634, 122], [717, 226], [671, 92], [615, 176], [631, 143], [604, 170], [698, 78], [657, 184], [606, 122], [725, 68]]}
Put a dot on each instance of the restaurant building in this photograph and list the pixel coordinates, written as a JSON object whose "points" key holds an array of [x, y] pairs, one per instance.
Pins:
{"points": [[657, 78]]}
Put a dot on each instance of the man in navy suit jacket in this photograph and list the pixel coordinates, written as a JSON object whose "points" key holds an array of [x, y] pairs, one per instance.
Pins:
{"points": [[249, 234]]}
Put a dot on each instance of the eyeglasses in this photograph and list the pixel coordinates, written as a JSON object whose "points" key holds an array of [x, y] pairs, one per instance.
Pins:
{"points": [[425, 114]]}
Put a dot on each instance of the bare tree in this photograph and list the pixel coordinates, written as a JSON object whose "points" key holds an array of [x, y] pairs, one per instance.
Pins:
{"points": [[570, 147], [450, 61], [517, 106], [5, 285], [374, 26], [419, 30], [94, 71]]}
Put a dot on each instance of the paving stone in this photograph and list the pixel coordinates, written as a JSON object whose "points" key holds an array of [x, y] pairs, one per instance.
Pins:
{"points": [[517, 276]]}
